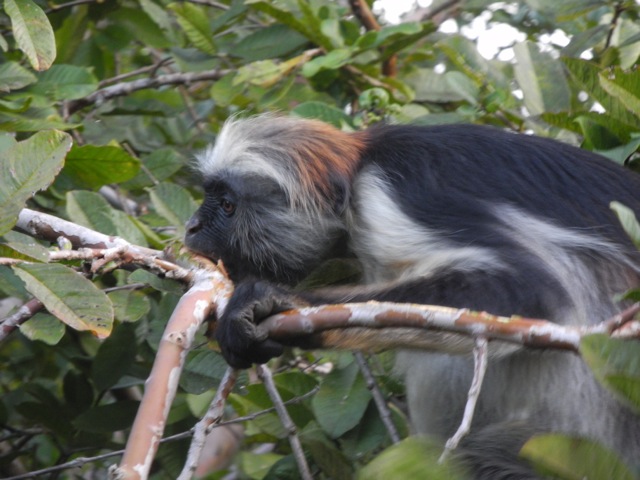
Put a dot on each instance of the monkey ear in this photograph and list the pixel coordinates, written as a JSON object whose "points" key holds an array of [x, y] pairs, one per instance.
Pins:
{"points": [[341, 195]]}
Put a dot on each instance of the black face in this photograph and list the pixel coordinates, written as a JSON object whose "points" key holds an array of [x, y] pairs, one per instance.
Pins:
{"points": [[238, 223]]}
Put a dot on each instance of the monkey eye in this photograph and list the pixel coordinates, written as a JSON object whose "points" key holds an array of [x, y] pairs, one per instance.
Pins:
{"points": [[227, 206]]}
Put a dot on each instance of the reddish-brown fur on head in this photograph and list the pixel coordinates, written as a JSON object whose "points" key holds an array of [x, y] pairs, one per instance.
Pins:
{"points": [[307, 158]]}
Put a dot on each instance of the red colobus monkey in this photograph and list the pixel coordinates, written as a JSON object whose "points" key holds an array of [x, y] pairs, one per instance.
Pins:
{"points": [[456, 215]]}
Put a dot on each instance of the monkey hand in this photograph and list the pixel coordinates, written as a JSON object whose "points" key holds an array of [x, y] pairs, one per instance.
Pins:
{"points": [[236, 332]]}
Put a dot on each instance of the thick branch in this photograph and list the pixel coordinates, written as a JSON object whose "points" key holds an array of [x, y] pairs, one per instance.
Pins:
{"points": [[353, 326], [211, 290]]}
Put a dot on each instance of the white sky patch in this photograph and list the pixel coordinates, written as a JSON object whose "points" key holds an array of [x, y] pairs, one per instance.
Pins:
{"points": [[494, 40]]}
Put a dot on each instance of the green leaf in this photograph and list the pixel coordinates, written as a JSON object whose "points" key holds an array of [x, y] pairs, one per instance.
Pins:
{"points": [[270, 42], [129, 305], [193, 21], [625, 86], [92, 210], [159, 165], [65, 82], [587, 75], [628, 220], [108, 418], [27, 167], [92, 166], [341, 401], [621, 154], [322, 111], [410, 459], [308, 28], [23, 247], [616, 364], [326, 453], [69, 296], [568, 458], [43, 327], [33, 32], [203, 371], [331, 61], [542, 80], [174, 203], [14, 76], [115, 357]]}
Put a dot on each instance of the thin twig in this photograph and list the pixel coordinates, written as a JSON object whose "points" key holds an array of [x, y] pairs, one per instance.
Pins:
{"points": [[24, 313], [267, 379], [204, 426], [121, 89], [378, 397], [480, 362]]}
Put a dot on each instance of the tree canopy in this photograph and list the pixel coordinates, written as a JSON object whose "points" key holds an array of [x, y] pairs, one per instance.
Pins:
{"points": [[103, 105]]}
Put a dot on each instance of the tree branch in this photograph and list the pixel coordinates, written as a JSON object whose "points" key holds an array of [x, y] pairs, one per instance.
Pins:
{"points": [[126, 88], [267, 379]]}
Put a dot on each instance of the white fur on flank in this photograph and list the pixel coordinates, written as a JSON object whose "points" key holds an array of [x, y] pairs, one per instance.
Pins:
{"points": [[392, 246]]}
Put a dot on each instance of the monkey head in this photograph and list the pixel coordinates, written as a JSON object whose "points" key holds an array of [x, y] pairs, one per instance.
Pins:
{"points": [[275, 189]]}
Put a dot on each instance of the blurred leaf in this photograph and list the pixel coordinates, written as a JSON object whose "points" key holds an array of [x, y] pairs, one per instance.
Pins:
{"points": [[622, 153], [587, 75], [14, 76], [43, 327], [308, 28], [65, 82], [542, 80], [29, 166], [616, 364], [32, 31], [23, 247], [270, 42], [115, 357], [326, 453], [203, 371], [625, 86], [331, 61], [92, 166], [341, 401], [174, 203], [570, 458], [129, 305], [108, 418], [193, 21], [412, 458], [322, 111], [92, 210], [69, 296], [628, 220]]}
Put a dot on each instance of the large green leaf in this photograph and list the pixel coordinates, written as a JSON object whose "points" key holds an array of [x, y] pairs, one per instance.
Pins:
{"points": [[341, 401], [616, 364], [115, 357], [27, 167], [173, 202], [194, 22], [542, 80], [587, 75], [32, 31], [65, 82], [625, 86], [92, 210], [92, 166], [69, 296], [14, 76], [410, 459], [568, 458], [271, 42]]}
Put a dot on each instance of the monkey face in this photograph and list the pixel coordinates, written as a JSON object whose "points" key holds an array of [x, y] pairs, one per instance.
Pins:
{"points": [[247, 222]]}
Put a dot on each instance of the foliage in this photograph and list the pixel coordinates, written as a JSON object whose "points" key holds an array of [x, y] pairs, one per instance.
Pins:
{"points": [[140, 85]]}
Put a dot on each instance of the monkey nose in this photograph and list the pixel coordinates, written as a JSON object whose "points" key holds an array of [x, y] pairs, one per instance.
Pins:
{"points": [[193, 225]]}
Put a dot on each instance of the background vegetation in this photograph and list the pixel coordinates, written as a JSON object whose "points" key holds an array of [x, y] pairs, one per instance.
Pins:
{"points": [[139, 86]]}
